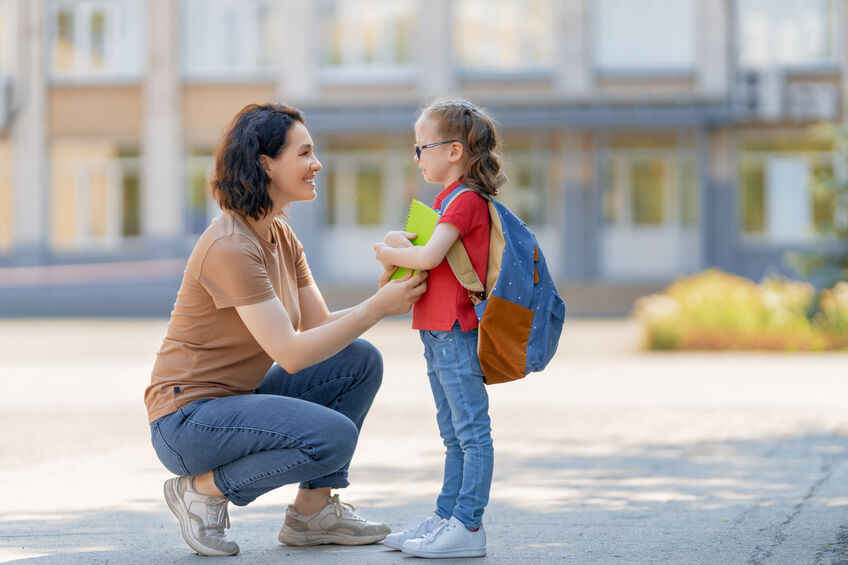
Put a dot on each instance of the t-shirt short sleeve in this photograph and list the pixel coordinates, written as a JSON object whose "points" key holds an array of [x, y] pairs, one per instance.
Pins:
{"points": [[465, 210], [301, 267], [234, 274]]}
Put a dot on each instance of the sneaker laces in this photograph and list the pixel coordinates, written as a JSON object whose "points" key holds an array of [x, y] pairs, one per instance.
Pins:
{"points": [[414, 526], [443, 524], [344, 510], [217, 517]]}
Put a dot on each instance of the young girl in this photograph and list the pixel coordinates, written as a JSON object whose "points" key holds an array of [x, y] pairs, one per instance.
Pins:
{"points": [[456, 143]]}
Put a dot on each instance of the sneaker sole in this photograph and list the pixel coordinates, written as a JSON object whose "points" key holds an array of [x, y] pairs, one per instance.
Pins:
{"points": [[447, 554], [298, 539], [175, 503], [390, 545]]}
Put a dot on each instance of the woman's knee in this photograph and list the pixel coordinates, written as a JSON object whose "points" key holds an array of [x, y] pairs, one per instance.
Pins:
{"points": [[369, 358], [342, 437]]}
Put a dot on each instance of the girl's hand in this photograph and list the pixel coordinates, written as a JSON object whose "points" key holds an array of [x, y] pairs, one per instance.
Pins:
{"points": [[399, 238], [398, 296], [379, 249]]}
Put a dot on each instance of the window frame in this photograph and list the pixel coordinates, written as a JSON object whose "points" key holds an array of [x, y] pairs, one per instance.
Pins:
{"points": [[125, 40]]}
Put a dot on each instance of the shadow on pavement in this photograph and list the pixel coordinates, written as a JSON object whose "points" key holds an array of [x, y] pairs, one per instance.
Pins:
{"points": [[733, 501]]}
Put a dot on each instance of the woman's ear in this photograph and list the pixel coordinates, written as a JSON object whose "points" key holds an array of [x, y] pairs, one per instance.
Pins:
{"points": [[266, 164]]}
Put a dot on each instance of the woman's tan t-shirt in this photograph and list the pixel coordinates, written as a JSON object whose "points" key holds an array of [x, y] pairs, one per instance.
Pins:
{"points": [[208, 352]]}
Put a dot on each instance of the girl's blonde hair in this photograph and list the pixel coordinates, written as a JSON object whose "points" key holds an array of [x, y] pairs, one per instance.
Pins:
{"points": [[459, 119]]}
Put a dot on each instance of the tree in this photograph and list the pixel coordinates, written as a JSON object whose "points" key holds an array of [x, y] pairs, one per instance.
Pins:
{"points": [[829, 265]]}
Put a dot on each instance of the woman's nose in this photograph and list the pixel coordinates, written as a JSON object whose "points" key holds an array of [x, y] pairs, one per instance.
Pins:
{"points": [[317, 166]]}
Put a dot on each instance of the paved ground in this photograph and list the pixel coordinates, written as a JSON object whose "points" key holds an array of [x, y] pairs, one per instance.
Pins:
{"points": [[610, 456]]}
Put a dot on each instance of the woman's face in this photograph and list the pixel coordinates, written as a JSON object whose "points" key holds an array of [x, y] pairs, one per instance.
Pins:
{"points": [[292, 173]]}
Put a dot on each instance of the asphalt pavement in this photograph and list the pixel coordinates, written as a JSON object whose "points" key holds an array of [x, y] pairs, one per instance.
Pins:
{"points": [[611, 455]]}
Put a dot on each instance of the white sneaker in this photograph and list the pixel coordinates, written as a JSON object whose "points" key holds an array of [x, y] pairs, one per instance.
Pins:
{"points": [[418, 527], [449, 539]]}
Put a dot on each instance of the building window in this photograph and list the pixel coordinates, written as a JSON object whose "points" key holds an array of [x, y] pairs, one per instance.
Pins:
{"points": [[647, 36], [652, 188], [95, 38], [200, 207], [229, 37], [95, 196], [785, 32], [7, 215], [527, 191], [776, 179], [367, 37], [504, 35], [367, 188]]}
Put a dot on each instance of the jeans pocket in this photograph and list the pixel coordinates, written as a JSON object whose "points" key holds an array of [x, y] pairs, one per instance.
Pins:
{"points": [[438, 336], [169, 458]]}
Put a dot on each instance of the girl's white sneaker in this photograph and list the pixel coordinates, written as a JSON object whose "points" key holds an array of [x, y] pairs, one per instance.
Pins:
{"points": [[417, 527], [449, 539]]}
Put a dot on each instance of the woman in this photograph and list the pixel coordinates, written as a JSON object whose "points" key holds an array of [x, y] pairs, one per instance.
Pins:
{"points": [[257, 384]]}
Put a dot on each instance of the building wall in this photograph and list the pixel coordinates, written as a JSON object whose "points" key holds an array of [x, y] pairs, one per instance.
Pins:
{"points": [[637, 146]]}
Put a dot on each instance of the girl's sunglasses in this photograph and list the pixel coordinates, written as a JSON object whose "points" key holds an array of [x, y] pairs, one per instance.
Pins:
{"points": [[418, 149]]}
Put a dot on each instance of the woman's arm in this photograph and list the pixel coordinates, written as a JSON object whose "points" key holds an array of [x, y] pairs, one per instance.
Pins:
{"points": [[313, 308], [423, 257], [271, 326]]}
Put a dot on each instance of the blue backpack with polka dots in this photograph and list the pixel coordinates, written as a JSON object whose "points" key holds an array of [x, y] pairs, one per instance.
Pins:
{"points": [[519, 310]]}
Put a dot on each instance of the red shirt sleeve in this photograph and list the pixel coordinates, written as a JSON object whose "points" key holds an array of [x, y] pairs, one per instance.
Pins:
{"points": [[467, 210]]}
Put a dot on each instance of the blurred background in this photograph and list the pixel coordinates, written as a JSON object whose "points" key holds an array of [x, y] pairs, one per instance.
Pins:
{"points": [[644, 140]]}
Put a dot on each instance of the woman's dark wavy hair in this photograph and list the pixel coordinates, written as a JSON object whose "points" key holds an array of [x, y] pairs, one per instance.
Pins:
{"points": [[239, 182], [474, 127]]}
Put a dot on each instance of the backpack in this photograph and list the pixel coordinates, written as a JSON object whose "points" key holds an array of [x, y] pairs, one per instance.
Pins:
{"points": [[519, 310]]}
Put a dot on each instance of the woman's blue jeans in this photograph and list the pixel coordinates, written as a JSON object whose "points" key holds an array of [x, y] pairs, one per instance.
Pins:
{"points": [[462, 412], [297, 428]]}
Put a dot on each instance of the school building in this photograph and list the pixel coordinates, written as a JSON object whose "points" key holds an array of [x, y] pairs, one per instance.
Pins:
{"points": [[644, 140]]}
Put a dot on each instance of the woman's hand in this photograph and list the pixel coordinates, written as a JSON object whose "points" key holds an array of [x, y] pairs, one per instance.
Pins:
{"points": [[399, 238], [386, 277], [398, 296]]}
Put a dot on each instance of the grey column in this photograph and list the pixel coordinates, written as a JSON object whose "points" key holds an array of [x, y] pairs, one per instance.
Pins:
{"points": [[713, 21], [573, 72], [575, 193], [30, 154], [299, 49], [721, 202], [162, 196], [434, 48]]}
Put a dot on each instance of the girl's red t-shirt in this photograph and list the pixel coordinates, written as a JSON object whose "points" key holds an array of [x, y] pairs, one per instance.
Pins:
{"points": [[446, 301]]}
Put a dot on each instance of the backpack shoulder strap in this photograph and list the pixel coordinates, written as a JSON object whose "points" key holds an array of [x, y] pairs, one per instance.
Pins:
{"points": [[458, 259], [451, 197]]}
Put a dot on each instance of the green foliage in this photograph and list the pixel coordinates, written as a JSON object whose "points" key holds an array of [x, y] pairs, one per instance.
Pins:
{"points": [[830, 188], [714, 310]]}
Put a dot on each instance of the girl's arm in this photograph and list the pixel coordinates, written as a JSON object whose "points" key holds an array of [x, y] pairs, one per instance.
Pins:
{"points": [[424, 257], [271, 326]]}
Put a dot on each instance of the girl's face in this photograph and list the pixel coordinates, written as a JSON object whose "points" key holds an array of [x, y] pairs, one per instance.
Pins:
{"points": [[440, 164], [292, 173]]}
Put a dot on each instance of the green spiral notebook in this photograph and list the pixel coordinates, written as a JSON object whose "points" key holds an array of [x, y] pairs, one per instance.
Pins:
{"points": [[420, 220]]}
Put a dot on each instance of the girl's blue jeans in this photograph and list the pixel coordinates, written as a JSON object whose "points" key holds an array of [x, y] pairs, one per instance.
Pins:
{"points": [[462, 412], [297, 428]]}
